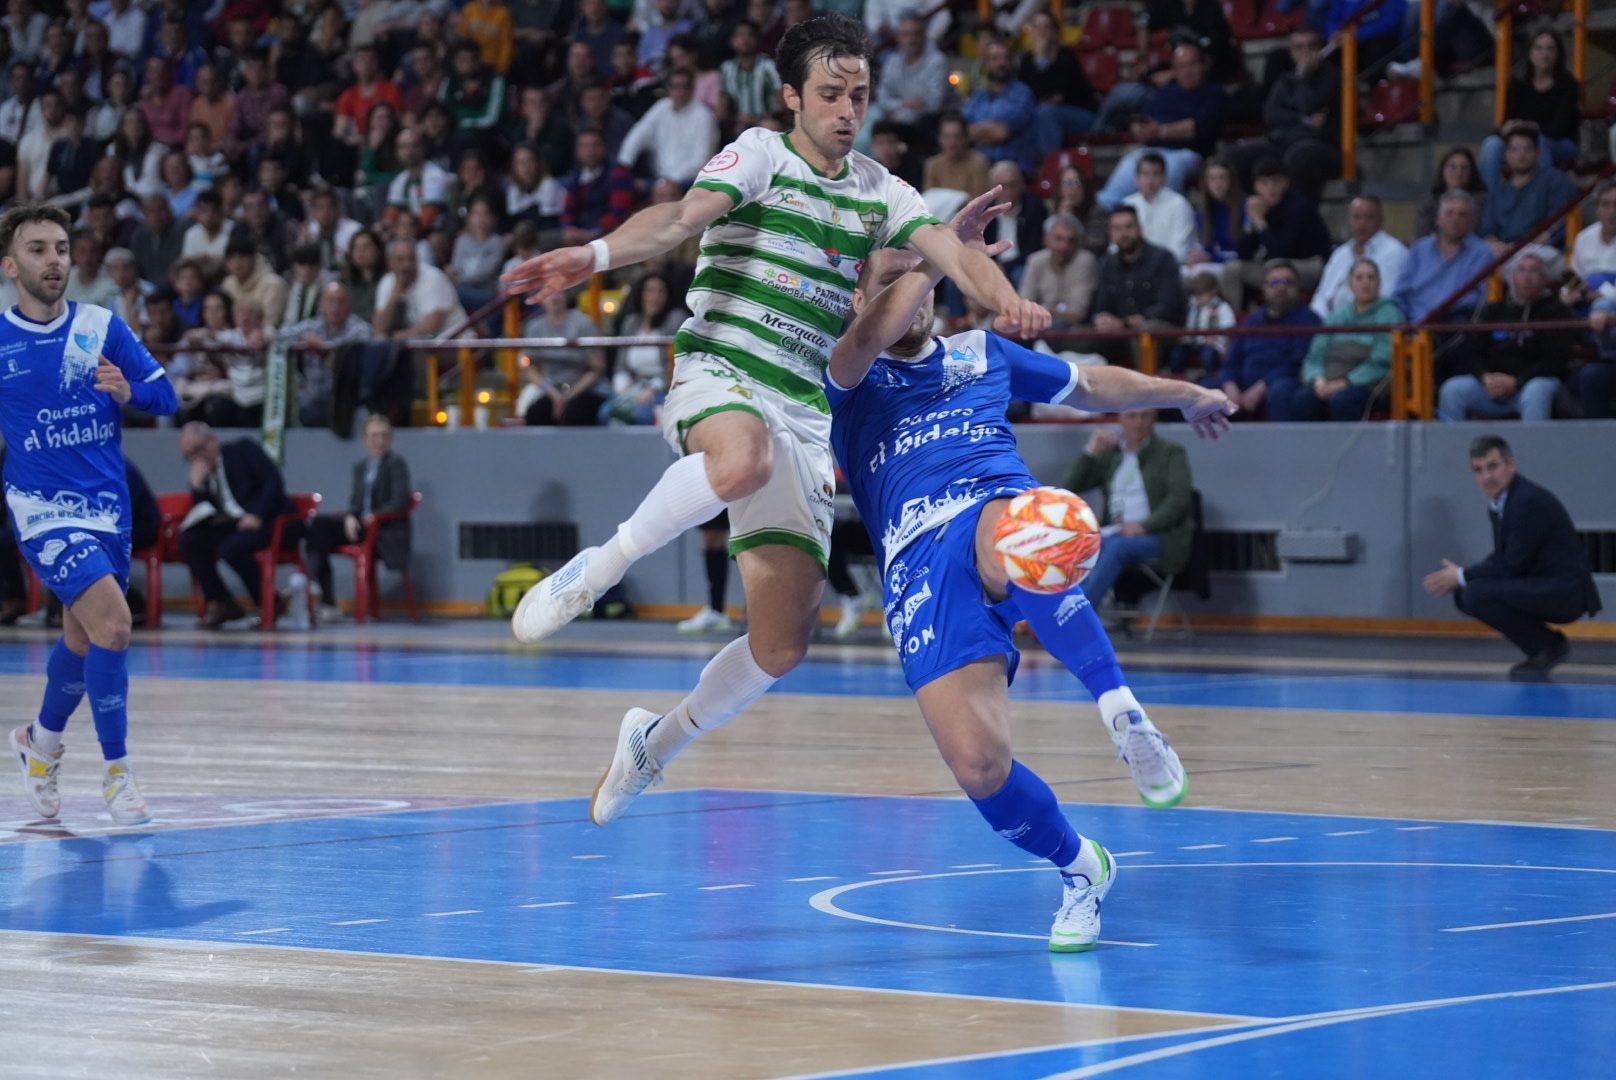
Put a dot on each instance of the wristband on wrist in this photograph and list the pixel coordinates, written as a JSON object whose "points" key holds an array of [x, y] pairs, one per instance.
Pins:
{"points": [[603, 256]]}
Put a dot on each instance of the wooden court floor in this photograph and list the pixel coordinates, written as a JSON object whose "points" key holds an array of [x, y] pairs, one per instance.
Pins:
{"points": [[113, 990]]}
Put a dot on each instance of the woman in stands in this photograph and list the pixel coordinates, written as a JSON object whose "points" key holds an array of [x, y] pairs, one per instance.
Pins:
{"points": [[1547, 94]]}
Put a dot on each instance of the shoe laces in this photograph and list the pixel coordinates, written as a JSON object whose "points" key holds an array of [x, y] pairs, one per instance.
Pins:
{"points": [[1073, 898], [1148, 750]]}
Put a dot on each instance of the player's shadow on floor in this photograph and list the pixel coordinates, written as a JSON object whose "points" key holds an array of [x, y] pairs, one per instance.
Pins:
{"points": [[102, 885]]}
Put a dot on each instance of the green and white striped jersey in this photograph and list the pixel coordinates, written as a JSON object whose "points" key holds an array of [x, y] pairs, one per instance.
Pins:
{"points": [[774, 283]]}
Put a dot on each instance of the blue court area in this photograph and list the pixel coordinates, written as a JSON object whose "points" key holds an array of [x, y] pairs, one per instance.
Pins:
{"points": [[1312, 940], [872, 673]]}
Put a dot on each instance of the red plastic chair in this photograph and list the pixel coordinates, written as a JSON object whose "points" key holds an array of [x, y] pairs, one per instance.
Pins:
{"points": [[1048, 182], [1395, 101], [172, 506], [1105, 26], [278, 553], [367, 594], [1102, 70], [1244, 17]]}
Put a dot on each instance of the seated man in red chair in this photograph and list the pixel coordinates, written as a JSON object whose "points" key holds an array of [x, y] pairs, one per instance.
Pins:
{"points": [[237, 493], [381, 485]]}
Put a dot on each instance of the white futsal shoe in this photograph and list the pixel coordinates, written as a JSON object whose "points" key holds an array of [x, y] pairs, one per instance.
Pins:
{"points": [[1157, 772], [38, 774], [632, 769], [706, 621], [853, 609], [123, 797], [555, 601], [1077, 923]]}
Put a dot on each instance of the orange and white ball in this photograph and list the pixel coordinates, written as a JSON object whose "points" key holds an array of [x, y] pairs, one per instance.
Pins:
{"points": [[1047, 540]]}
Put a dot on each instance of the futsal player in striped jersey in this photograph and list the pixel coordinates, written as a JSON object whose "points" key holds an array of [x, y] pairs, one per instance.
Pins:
{"points": [[66, 371], [786, 220], [919, 427]]}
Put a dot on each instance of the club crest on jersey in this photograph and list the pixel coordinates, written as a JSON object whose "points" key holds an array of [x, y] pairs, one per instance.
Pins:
{"points": [[872, 220], [962, 365], [90, 342]]}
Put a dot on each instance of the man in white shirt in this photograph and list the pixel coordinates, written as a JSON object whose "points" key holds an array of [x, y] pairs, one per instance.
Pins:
{"points": [[33, 151], [328, 228], [1593, 256], [1165, 216], [1365, 240], [422, 188], [210, 236], [679, 132], [89, 282], [412, 300], [126, 26]]}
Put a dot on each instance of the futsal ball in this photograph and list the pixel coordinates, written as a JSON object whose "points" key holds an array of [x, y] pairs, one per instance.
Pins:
{"points": [[1047, 540]]}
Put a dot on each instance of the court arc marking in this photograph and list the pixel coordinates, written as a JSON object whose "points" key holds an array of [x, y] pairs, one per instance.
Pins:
{"points": [[1529, 922]]}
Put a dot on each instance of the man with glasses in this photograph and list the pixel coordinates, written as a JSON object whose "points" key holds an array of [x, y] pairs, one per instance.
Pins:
{"points": [[1260, 374]]}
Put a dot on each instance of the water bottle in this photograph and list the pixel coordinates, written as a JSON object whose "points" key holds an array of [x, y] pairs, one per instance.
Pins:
{"points": [[297, 617]]}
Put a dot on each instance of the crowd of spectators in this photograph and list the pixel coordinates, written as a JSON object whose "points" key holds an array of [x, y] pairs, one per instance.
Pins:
{"points": [[332, 173]]}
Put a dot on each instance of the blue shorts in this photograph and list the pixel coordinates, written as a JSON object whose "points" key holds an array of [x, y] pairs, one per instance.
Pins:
{"points": [[68, 561], [936, 611]]}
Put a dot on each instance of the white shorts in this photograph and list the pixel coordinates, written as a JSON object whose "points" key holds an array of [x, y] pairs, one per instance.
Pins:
{"points": [[795, 507]]}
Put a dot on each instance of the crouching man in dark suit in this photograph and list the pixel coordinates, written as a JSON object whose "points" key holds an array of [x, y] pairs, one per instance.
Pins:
{"points": [[381, 485], [237, 492], [1537, 573]]}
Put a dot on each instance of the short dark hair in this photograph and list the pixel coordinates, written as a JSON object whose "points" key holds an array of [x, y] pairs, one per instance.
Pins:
{"points": [[1150, 157], [103, 200], [306, 255], [953, 116], [210, 197], [242, 242], [12, 221], [1124, 208], [887, 127], [1482, 445], [820, 38], [1281, 264], [1270, 166]]}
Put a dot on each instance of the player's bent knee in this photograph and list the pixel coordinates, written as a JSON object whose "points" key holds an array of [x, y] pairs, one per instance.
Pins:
{"points": [[736, 475], [981, 771], [779, 660]]}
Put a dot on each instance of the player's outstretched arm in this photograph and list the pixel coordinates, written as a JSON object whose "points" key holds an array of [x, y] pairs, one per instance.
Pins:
{"points": [[652, 231], [1114, 389], [980, 278]]}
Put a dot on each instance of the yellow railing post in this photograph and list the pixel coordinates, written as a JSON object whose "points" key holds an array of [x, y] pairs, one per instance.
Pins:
{"points": [[1503, 44], [1427, 61], [1147, 353], [597, 284], [1424, 376], [1349, 104], [1399, 393], [468, 388], [513, 327], [432, 386], [1579, 41]]}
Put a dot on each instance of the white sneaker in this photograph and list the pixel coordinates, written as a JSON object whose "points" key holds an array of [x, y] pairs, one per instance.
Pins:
{"points": [[1077, 923], [1157, 772], [853, 609], [329, 613], [123, 797], [1404, 69], [38, 774], [555, 601], [632, 770], [706, 621]]}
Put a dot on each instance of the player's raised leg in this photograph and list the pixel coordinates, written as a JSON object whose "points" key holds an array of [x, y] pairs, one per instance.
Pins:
{"points": [[98, 621], [39, 745], [730, 457], [968, 712], [777, 640]]}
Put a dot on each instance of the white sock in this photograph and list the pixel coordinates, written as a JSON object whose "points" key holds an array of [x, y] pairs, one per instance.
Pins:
{"points": [[1088, 864], [44, 740], [729, 683], [682, 498], [1114, 703]]}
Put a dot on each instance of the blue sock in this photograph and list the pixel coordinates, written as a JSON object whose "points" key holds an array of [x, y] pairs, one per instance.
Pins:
{"points": [[1067, 626], [106, 676], [64, 689], [1024, 812]]}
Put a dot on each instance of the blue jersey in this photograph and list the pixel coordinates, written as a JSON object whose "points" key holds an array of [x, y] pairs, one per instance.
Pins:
{"points": [[923, 440], [64, 456]]}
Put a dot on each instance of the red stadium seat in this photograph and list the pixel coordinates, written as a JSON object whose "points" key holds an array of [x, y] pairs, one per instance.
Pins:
{"points": [[367, 594], [1107, 26], [1394, 101], [1049, 173], [280, 553], [1102, 69]]}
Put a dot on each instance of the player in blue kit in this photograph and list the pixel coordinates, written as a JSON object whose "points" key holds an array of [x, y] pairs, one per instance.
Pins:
{"points": [[919, 427], [66, 371]]}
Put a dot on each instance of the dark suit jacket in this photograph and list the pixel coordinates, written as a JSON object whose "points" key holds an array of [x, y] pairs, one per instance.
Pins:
{"points": [[1029, 232], [254, 480], [391, 493], [1536, 543], [1165, 469]]}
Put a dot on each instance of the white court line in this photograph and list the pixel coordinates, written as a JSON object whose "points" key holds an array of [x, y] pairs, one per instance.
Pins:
{"points": [[550, 903], [1199, 847], [1273, 839], [357, 922], [825, 901], [721, 888], [271, 930], [636, 895], [589, 856], [446, 914], [1127, 854], [974, 866], [1303, 1023], [1416, 828], [1528, 922], [890, 873], [1351, 832], [821, 877]]}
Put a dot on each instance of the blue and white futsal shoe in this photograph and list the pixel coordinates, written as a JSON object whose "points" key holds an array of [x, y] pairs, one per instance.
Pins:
{"points": [[1157, 772], [1077, 923], [555, 601], [632, 769]]}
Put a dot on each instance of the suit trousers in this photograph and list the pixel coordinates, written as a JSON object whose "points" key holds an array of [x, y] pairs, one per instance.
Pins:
{"points": [[1522, 608]]}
